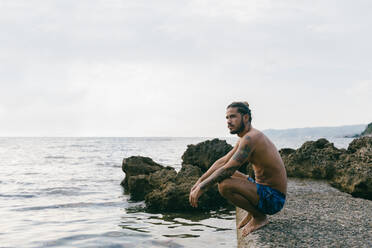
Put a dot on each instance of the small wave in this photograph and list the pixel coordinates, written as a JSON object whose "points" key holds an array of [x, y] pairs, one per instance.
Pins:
{"points": [[91, 240], [71, 205], [109, 164], [17, 196], [168, 243], [32, 173], [89, 157], [183, 235], [61, 191], [136, 229], [62, 241], [114, 234], [78, 146], [56, 157]]}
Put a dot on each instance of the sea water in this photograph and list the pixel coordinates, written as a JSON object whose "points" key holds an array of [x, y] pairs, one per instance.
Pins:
{"points": [[65, 192]]}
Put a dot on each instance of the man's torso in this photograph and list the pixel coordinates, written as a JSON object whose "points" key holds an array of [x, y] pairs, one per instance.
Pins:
{"points": [[267, 164]]}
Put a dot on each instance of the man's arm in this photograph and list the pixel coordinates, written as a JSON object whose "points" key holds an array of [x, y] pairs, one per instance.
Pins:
{"points": [[227, 170], [219, 163]]}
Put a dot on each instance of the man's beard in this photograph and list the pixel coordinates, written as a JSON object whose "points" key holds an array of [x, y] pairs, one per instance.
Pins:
{"points": [[240, 129]]}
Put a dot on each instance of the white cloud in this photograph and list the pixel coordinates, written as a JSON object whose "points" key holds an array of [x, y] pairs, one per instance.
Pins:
{"points": [[239, 10], [360, 94]]}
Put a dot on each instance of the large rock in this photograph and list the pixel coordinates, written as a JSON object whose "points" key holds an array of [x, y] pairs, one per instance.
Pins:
{"points": [[362, 148], [354, 174], [314, 159], [349, 170], [138, 165], [174, 196], [206, 153], [165, 190], [141, 185]]}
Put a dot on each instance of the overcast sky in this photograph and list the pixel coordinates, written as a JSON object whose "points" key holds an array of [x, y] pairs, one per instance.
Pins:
{"points": [[170, 68]]}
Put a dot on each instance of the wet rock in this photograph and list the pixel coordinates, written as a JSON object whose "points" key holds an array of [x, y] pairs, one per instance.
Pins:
{"points": [[286, 151], [348, 170], [356, 180], [314, 159], [174, 196], [165, 190], [163, 176], [163, 198], [140, 185], [138, 165], [362, 147], [355, 175], [205, 153]]}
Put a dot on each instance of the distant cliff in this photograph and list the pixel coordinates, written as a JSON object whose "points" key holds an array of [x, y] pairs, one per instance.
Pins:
{"points": [[326, 132], [368, 130]]}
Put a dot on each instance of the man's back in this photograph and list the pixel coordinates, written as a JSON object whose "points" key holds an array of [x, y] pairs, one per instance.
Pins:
{"points": [[267, 164]]}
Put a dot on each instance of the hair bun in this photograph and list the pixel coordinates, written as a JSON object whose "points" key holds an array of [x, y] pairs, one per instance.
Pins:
{"points": [[246, 103]]}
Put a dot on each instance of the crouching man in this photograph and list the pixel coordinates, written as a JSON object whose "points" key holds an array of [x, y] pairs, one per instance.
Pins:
{"points": [[260, 197]]}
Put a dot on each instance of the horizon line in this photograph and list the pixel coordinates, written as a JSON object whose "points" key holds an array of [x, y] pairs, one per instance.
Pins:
{"points": [[110, 136]]}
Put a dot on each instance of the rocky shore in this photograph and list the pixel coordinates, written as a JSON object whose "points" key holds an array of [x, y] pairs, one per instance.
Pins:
{"points": [[315, 215], [349, 170], [163, 189]]}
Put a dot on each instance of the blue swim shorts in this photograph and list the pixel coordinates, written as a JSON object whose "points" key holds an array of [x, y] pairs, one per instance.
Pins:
{"points": [[270, 201]]}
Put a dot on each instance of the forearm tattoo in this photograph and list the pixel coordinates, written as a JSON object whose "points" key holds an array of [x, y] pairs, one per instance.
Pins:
{"points": [[222, 173], [218, 176]]}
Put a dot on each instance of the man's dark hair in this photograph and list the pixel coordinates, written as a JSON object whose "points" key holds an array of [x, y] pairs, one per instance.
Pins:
{"points": [[243, 108]]}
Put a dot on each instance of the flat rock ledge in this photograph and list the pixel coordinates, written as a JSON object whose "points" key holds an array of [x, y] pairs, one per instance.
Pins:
{"points": [[315, 215]]}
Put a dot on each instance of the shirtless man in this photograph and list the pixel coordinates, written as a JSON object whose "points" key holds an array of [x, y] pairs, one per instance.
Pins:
{"points": [[261, 197]]}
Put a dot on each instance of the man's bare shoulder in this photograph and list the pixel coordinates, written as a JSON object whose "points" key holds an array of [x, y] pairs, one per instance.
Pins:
{"points": [[253, 136], [259, 140]]}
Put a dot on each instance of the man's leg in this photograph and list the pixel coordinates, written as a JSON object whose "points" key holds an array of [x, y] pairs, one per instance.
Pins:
{"points": [[238, 174], [248, 217], [243, 194]]}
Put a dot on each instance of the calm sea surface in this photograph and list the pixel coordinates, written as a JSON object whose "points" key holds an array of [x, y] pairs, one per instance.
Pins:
{"points": [[65, 192]]}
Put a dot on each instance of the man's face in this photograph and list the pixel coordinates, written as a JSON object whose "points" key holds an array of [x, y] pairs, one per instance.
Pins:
{"points": [[234, 121]]}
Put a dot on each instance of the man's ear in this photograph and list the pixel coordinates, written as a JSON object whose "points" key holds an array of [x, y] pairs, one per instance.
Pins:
{"points": [[246, 117]]}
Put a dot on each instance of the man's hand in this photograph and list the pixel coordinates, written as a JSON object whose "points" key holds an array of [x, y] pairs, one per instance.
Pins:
{"points": [[196, 184], [195, 193]]}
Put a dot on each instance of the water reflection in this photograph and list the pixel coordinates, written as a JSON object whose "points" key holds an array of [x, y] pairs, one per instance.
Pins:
{"points": [[180, 227]]}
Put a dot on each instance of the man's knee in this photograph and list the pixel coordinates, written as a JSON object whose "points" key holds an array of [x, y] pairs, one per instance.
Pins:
{"points": [[224, 187]]}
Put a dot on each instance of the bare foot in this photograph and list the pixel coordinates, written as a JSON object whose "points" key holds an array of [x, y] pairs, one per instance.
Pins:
{"points": [[254, 224], [246, 219]]}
